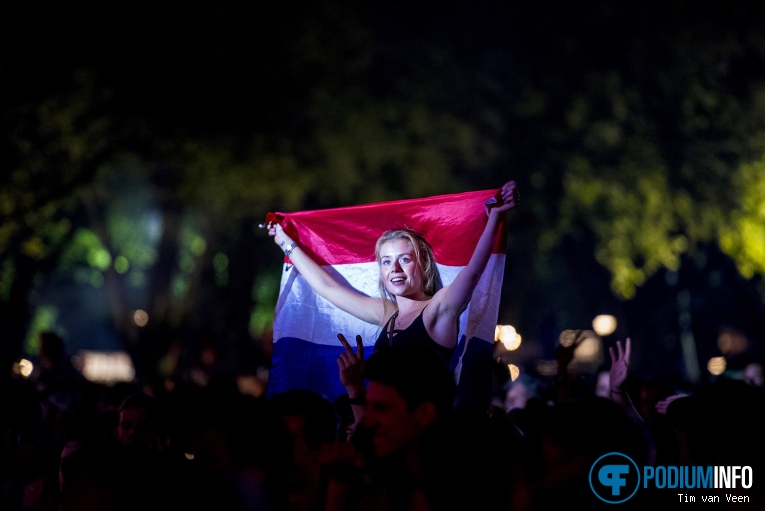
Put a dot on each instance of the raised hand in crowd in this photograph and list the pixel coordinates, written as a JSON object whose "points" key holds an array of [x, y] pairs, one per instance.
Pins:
{"points": [[618, 374], [620, 366], [351, 367]]}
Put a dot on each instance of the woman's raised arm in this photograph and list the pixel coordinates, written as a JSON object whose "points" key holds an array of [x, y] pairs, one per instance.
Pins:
{"points": [[456, 296], [364, 307]]}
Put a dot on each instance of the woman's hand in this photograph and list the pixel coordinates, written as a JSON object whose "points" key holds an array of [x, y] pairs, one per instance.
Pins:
{"points": [[280, 237], [507, 198]]}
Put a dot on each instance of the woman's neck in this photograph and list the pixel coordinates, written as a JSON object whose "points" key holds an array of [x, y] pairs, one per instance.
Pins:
{"points": [[408, 306]]}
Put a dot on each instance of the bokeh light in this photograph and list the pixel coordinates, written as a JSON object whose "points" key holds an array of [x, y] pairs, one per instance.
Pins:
{"points": [[105, 367], [732, 342], [509, 336], [514, 371], [588, 349], [604, 324], [140, 317], [547, 367], [716, 365], [23, 368], [121, 264], [568, 337]]}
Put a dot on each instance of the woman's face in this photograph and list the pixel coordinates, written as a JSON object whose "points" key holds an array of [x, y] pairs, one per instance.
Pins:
{"points": [[399, 269]]}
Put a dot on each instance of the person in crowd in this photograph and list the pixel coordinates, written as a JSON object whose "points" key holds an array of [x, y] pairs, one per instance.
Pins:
{"points": [[753, 374], [618, 377], [313, 424], [518, 392], [27, 456], [409, 395], [56, 371], [242, 451], [603, 382], [131, 468], [720, 423], [413, 306], [573, 435], [524, 400], [411, 445]]}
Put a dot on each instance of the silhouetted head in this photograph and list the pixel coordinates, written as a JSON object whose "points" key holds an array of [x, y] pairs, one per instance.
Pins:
{"points": [[51, 347], [409, 392]]}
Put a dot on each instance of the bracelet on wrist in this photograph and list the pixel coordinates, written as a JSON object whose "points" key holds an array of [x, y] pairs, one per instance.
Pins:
{"points": [[287, 251]]}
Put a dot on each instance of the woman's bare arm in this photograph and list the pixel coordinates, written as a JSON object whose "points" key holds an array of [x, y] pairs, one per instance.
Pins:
{"points": [[366, 308], [452, 300]]}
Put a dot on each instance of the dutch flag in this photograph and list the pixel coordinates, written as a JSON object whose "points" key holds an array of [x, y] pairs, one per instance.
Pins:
{"points": [[343, 240]]}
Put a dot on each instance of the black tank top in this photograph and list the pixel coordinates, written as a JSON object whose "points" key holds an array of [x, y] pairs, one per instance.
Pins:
{"points": [[416, 334]]}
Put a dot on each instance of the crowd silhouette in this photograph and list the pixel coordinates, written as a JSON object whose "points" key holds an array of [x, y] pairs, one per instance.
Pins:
{"points": [[397, 443]]}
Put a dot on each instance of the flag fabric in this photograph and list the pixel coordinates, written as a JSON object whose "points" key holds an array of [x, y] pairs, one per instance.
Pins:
{"points": [[342, 240]]}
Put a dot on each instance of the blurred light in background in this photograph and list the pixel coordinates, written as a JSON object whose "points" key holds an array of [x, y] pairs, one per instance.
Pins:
{"points": [[23, 367], [514, 370], [567, 338], [508, 335], [140, 317], [121, 264], [547, 367], [587, 346], [732, 342], [251, 384], [107, 367], [716, 365], [604, 324], [588, 350]]}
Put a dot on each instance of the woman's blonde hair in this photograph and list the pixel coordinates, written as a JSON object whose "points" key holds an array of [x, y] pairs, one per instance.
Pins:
{"points": [[431, 278]]}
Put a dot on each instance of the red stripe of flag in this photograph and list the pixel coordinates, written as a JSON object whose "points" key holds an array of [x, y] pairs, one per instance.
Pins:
{"points": [[451, 223]]}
